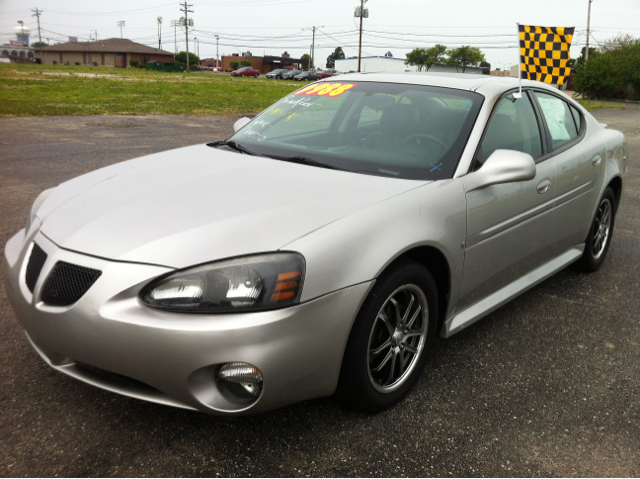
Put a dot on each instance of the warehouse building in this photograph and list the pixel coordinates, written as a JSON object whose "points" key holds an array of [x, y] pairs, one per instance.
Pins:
{"points": [[113, 52], [391, 64]]}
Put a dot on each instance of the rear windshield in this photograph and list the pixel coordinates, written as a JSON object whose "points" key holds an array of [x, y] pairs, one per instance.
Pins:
{"points": [[397, 130]]}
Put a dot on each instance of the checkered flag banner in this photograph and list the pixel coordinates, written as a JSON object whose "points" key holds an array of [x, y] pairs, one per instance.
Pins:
{"points": [[544, 53]]}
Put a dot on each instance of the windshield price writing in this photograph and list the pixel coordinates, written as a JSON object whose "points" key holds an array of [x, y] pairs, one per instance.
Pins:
{"points": [[326, 89]]}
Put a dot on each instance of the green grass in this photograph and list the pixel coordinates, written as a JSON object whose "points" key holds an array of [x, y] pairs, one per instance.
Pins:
{"points": [[50, 90], [590, 105]]}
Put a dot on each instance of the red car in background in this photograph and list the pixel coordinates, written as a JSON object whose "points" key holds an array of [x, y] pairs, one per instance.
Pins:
{"points": [[327, 73], [245, 72]]}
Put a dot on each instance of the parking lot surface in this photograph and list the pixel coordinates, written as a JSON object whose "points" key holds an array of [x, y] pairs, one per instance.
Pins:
{"points": [[548, 385]]}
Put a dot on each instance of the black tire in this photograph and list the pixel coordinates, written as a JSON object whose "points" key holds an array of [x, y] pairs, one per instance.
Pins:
{"points": [[366, 381], [600, 234], [256, 75]]}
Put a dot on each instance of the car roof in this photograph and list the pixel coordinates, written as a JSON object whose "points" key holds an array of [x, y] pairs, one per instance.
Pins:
{"points": [[488, 85]]}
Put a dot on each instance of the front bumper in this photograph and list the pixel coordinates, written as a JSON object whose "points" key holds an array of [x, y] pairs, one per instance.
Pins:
{"points": [[173, 357]]}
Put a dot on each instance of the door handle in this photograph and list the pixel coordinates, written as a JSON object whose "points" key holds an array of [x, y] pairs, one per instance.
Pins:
{"points": [[543, 186], [596, 160]]}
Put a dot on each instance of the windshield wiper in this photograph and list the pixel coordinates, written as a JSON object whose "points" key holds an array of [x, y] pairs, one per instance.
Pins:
{"points": [[301, 160], [234, 146]]}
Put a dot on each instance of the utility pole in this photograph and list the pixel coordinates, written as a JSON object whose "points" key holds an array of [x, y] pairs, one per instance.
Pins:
{"points": [[120, 24], [586, 53], [217, 62], [313, 50], [37, 13], [174, 24], [187, 23], [362, 13]]}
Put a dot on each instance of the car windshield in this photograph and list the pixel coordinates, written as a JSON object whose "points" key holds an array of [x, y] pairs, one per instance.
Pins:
{"points": [[390, 129]]}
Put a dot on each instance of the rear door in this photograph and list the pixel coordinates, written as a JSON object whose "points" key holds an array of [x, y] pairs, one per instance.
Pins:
{"points": [[508, 225], [580, 161]]}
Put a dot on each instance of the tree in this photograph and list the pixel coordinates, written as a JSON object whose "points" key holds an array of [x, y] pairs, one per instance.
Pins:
{"points": [[245, 63], [417, 58], [234, 65], [39, 44], [193, 59], [464, 57], [613, 73], [336, 55], [306, 61], [435, 55], [426, 57]]}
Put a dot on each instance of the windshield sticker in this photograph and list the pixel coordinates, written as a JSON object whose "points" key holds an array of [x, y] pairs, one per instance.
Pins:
{"points": [[326, 89]]}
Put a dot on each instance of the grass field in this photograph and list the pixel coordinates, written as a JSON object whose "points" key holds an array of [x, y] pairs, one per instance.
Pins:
{"points": [[48, 90]]}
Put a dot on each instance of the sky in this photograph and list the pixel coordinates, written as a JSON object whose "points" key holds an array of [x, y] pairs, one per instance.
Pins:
{"points": [[272, 27]]}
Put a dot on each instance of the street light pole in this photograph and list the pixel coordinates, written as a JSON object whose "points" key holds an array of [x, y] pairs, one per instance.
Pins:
{"points": [[174, 24], [120, 24]]}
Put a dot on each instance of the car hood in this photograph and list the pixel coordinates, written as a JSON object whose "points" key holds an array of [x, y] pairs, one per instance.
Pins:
{"points": [[198, 204]]}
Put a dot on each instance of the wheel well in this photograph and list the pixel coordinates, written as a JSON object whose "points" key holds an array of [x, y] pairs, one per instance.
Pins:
{"points": [[616, 185], [433, 259]]}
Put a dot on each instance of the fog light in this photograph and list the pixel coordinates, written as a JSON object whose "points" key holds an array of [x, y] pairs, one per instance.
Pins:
{"points": [[240, 382]]}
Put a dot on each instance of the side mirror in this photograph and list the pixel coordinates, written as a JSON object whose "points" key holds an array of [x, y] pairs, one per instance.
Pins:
{"points": [[240, 124], [503, 166]]}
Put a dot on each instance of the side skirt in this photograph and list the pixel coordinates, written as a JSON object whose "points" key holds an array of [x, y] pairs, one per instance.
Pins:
{"points": [[477, 311]]}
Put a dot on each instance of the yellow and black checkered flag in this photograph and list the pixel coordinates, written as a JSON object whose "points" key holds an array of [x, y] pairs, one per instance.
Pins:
{"points": [[544, 53]]}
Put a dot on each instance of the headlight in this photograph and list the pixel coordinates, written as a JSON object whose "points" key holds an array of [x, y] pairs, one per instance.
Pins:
{"points": [[252, 283], [36, 206]]}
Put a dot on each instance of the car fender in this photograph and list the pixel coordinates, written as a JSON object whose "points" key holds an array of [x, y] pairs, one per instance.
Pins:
{"points": [[359, 247]]}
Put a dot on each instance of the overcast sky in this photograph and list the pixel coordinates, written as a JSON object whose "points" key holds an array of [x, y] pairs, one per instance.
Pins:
{"points": [[274, 26]]}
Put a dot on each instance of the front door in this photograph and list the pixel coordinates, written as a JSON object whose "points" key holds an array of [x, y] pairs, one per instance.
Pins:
{"points": [[121, 61], [508, 224]]}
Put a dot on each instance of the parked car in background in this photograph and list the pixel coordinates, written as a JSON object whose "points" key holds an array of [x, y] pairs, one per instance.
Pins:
{"points": [[277, 73], [327, 73], [307, 76], [321, 248], [245, 72], [290, 74]]}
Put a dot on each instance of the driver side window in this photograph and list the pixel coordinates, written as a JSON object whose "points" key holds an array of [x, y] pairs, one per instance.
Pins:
{"points": [[513, 126]]}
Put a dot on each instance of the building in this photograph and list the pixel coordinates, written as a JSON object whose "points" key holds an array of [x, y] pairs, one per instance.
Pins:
{"points": [[264, 64], [113, 52], [390, 64], [19, 49]]}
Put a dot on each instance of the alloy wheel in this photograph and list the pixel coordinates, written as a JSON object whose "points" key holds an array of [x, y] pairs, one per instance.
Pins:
{"points": [[602, 228], [397, 338]]}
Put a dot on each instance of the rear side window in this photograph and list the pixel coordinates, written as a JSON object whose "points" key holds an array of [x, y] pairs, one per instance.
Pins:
{"points": [[559, 119], [513, 126], [577, 117]]}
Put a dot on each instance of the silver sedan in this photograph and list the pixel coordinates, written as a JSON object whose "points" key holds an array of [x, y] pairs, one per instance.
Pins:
{"points": [[319, 250]]}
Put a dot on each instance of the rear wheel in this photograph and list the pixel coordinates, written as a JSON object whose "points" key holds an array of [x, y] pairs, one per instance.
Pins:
{"points": [[599, 239], [256, 75], [390, 339]]}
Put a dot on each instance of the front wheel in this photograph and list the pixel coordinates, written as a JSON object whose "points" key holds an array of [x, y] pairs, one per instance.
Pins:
{"points": [[256, 75], [599, 239], [390, 339]]}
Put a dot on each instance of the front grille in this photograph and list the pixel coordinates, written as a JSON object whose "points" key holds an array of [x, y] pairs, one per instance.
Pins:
{"points": [[34, 267], [67, 283]]}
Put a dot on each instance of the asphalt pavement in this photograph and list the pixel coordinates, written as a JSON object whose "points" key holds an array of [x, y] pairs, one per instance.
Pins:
{"points": [[548, 385]]}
